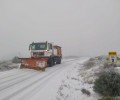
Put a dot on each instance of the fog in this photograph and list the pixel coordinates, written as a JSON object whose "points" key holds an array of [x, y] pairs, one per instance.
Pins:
{"points": [[80, 27]]}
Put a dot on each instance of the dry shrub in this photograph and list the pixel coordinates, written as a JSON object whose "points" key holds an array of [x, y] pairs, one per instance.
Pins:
{"points": [[108, 84], [16, 60], [106, 65], [84, 91], [89, 64], [91, 59]]}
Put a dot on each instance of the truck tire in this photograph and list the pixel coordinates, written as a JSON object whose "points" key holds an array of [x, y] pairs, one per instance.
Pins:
{"points": [[58, 61], [51, 62]]}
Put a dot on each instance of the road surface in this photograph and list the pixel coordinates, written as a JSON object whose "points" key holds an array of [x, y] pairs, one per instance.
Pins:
{"points": [[27, 84]]}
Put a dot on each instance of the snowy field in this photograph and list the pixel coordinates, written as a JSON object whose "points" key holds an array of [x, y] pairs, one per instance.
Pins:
{"points": [[71, 80]]}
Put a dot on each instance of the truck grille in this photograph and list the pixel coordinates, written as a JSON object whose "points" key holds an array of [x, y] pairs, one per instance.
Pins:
{"points": [[39, 53]]}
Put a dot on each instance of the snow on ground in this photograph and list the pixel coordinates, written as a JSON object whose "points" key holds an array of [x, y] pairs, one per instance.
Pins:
{"points": [[71, 80], [72, 84], [67, 86]]}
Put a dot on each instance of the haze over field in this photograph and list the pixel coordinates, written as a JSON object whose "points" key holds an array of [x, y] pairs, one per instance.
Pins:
{"points": [[81, 27]]}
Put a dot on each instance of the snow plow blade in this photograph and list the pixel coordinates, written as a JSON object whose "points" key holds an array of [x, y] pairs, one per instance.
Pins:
{"points": [[34, 63]]}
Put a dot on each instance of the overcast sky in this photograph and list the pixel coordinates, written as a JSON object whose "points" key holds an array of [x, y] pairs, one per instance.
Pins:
{"points": [[81, 27]]}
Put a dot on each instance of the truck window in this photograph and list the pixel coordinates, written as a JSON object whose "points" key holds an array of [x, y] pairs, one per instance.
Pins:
{"points": [[39, 46], [50, 46]]}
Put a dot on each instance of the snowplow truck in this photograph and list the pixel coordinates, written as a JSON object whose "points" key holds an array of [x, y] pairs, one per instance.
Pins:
{"points": [[43, 54]]}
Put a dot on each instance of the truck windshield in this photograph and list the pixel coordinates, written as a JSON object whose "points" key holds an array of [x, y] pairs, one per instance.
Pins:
{"points": [[38, 46]]}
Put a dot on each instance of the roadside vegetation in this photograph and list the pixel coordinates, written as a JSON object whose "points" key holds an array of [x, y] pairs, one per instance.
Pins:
{"points": [[15, 60], [104, 77], [108, 85], [9, 64], [89, 64]]}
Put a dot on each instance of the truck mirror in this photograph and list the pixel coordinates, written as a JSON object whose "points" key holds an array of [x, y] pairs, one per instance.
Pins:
{"points": [[29, 47]]}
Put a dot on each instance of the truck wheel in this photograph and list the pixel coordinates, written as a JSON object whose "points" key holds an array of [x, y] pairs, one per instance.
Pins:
{"points": [[59, 61], [51, 62]]}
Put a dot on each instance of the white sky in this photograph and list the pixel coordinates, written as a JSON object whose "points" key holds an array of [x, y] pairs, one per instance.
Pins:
{"points": [[81, 27]]}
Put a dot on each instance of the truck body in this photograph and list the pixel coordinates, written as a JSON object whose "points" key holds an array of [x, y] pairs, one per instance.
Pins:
{"points": [[43, 54]]}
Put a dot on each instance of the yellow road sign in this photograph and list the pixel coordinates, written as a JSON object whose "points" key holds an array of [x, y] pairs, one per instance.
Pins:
{"points": [[112, 57]]}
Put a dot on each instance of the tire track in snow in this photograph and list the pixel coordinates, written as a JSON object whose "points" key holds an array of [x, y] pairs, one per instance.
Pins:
{"points": [[9, 74], [40, 85], [12, 73], [26, 87], [12, 79], [71, 60], [48, 76], [18, 82]]}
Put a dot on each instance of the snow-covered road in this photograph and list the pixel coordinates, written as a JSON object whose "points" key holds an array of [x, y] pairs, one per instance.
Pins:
{"points": [[27, 84]]}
